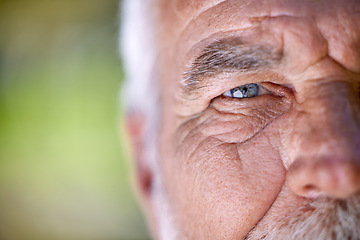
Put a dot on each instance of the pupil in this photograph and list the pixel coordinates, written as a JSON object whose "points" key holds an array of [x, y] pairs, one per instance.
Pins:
{"points": [[245, 90]]}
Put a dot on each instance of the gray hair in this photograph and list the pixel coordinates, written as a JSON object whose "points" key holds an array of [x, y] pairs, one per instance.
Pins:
{"points": [[137, 46], [141, 93]]}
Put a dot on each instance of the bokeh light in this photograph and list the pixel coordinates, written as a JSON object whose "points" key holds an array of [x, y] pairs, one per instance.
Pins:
{"points": [[63, 165]]}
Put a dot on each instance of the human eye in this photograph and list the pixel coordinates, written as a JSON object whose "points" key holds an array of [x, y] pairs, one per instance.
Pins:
{"points": [[246, 110], [246, 91]]}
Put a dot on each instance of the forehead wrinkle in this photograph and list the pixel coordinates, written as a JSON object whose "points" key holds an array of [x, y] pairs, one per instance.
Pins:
{"points": [[227, 56], [185, 12], [252, 14], [185, 7], [204, 10]]}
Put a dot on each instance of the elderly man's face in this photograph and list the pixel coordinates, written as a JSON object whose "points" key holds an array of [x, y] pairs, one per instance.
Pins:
{"points": [[259, 133]]}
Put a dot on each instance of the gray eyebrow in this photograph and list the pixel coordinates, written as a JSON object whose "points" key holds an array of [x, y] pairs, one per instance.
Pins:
{"points": [[227, 55]]}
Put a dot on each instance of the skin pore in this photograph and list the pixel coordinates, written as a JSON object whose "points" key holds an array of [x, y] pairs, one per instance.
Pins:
{"points": [[284, 164]]}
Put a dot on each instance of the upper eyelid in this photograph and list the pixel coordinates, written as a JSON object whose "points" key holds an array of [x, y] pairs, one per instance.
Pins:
{"points": [[284, 93], [228, 55], [194, 102]]}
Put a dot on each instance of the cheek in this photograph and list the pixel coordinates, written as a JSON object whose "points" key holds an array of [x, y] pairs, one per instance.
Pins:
{"points": [[225, 188]]}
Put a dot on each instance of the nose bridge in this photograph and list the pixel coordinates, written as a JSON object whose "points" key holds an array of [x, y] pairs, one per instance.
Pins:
{"points": [[328, 118], [323, 149]]}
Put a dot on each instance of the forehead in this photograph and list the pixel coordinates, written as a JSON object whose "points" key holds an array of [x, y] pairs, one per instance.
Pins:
{"points": [[183, 11], [187, 22], [188, 5], [304, 31]]}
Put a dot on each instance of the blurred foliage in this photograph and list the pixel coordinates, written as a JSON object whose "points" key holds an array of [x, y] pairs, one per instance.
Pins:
{"points": [[63, 173]]}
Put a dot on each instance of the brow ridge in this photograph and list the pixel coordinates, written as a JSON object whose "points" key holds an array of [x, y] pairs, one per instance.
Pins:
{"points": [[228, 55]]}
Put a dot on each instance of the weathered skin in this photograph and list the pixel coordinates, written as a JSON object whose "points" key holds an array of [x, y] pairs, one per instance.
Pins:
{"points": [[232, 164]]}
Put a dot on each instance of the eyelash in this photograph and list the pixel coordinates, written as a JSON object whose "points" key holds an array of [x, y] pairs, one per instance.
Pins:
{"points": [[244, 91]]}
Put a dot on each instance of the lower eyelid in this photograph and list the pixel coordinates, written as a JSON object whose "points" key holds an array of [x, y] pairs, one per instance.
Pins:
{"points": [[236, 120]]}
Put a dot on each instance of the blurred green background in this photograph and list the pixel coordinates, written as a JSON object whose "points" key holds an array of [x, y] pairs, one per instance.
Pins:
{"points": [[63, 168]]}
